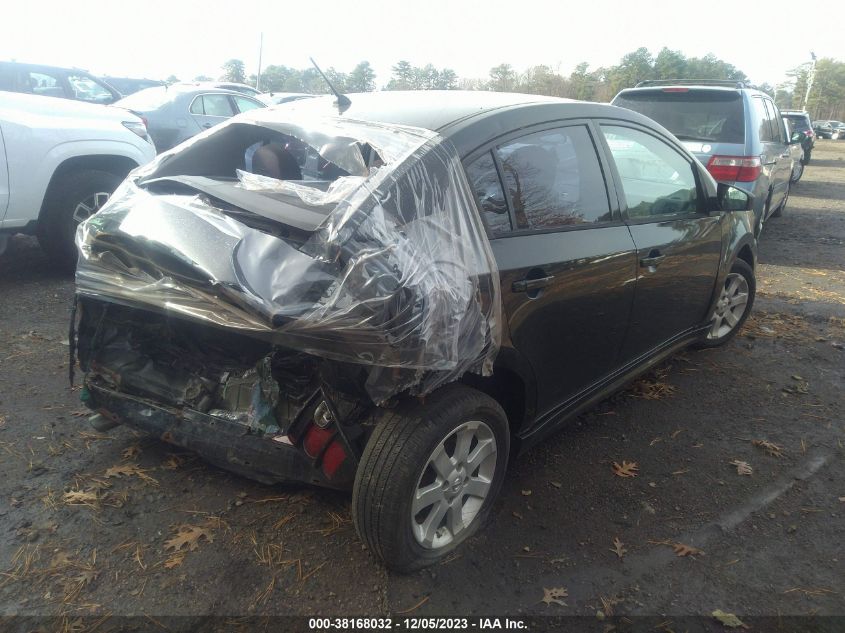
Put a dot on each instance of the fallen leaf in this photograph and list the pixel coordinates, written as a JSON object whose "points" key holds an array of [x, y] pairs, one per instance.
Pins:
{"points": [[175, 560], [742, 468], [556, 484], [771, 448], [728, 619], [554, 595], [618, 548], [526, 493], [686, 550], [172, 462], [188, 536], [80, 498], [517, 515], [131, 452], [130, 470], [627, 469]]}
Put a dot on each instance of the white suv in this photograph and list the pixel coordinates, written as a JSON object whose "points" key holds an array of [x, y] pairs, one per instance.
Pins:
{"points": [[59, 162]]}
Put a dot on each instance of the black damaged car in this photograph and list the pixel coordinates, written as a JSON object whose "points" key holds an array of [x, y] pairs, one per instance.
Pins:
{"points": [[398, 295]]}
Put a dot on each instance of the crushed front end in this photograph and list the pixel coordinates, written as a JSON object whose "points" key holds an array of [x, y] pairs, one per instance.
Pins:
{"points": [[262, 320]]}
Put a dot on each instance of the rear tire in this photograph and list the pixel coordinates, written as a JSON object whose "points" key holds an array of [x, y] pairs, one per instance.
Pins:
{"points": [[72, 196], [726, 320], [403, 470]]}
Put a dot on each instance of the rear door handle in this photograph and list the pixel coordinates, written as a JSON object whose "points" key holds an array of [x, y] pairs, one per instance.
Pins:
{"points": [[653, 260], [526, 285]]}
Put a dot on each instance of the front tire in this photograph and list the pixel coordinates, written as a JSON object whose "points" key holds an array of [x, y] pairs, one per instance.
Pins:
{"points": [[736, 299], [74, 197], [429, 476]]}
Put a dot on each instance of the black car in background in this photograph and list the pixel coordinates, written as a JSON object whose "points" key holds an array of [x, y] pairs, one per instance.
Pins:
{"points": [[801, 124], [53, 81], [833, 130], [561, 247]]}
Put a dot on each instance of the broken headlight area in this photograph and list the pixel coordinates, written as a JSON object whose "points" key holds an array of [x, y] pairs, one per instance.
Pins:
{"points": [[270, 282]]}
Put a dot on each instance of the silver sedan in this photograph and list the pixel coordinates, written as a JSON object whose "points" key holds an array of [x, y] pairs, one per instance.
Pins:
{"points": [[174, 114]]}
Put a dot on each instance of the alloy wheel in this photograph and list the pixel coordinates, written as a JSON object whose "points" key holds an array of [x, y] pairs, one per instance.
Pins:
{"points": [[454, 484], [89, 206], [730, 307]]}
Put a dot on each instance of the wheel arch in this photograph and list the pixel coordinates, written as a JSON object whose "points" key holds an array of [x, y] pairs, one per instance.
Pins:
{"points": [[111, 163], [512, 386]]}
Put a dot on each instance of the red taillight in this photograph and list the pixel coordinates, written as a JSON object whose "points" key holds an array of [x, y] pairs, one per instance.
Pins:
{"points": [[808, 132], [735, 168], [676, 90]]}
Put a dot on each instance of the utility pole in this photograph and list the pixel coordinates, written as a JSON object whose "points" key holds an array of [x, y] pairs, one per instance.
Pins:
{"points": [[260, 51], [810, 76]]}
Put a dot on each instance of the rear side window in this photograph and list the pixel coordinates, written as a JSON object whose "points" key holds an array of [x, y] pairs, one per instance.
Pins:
{"points": [[87, 89], [244, 105], [553, 179], [799, 123], [44, 84], [716, 116], [656, 179], [766, 129], [484, 178]]}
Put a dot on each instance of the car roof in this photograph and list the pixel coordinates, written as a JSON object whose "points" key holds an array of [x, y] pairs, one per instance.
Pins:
{"points": [[468, 118], [45, 67]]}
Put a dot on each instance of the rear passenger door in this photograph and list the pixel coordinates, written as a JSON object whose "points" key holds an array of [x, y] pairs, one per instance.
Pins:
{"points": [[783, 174], [566, 259], [4, 178], [678, 243], [775, 152]]}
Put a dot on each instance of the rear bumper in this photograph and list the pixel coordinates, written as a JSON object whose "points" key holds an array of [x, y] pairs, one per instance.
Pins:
{"points": [[222, 442]]}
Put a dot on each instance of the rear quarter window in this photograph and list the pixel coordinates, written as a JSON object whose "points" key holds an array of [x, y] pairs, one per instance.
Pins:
{"points": [[716, 116]]}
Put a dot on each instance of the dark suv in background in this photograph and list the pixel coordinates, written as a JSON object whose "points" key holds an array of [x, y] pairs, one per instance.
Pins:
{"points": [[801, 124], [735, 130], [52, 81]]}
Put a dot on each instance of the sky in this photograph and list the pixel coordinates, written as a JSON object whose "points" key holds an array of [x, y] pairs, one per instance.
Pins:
{"points": [[155, 39]]}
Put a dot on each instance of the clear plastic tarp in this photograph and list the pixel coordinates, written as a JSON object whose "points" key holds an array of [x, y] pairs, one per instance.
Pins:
{"points": [[367, 250]]}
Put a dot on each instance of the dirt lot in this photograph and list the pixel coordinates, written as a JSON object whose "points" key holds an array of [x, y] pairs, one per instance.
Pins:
{"points": [[86, 519]]}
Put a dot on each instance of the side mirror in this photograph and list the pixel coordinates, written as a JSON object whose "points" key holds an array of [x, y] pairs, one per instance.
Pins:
{"points": [[733, 199]]}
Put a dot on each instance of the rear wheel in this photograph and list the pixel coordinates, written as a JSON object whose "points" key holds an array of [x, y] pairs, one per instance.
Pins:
{"points": [[733, 306], [74, 197], [429, 476]]}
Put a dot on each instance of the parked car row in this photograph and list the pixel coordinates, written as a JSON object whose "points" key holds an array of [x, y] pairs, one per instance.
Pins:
{"points": [[834, 130], [735, 130]]}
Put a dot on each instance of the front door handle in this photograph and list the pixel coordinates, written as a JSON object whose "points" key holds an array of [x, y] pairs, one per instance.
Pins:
{"points": [[653, 260], [208, 125], [527, 285]]}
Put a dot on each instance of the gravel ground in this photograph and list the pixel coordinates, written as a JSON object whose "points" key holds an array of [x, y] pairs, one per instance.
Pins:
{"points": [[85, 518]]}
